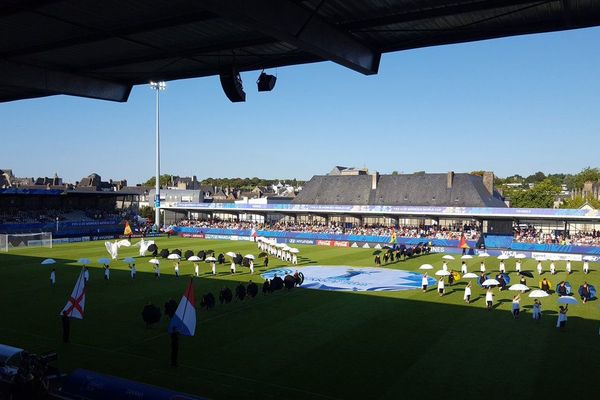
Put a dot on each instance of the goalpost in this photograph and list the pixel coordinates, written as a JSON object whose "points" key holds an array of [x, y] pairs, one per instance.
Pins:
{"points": [[12, 241]]}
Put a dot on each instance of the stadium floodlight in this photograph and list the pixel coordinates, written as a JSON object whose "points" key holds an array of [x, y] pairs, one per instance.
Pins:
{"points": [[157, 86]]}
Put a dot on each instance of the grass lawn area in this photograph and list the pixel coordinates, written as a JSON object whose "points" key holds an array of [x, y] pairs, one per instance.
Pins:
{"points": [[304, 344]]}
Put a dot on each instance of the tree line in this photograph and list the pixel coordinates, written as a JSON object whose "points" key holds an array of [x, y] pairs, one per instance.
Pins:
{"points": [[234, 183]]}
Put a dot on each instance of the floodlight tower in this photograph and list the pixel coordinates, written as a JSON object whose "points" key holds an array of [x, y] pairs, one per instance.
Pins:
{"points": [[157, 86]]}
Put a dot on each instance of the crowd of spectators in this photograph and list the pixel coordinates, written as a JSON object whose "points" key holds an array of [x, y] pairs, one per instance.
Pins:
{"points": [[581, 238], [470, 231], [52, 215]]}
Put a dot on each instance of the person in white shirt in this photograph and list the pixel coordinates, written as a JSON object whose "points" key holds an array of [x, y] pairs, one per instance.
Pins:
{"points": [[482, 267], [440, 286], [467, 295], [569, 267], [537, 310], [177, 270], [502, 267], [213, 267], [552, 268], [586, 267], [251, 266], [518, 266], [539, 267], [157, 271], [445, 266], [424, 282], [489, 299], [232, 268], [86, 275], [106, 272], [463, 268], [516, 307], [196, 269], [295, 259], [133, 271], [53, 277]]}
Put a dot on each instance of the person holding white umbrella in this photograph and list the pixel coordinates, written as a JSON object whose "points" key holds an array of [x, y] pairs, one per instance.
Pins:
{"points": [[482, 267], [518, 266], [568, 267], [586, 267], [561, 322], [489, 299], [467, 295], [424, 282], [502, 267], [552, 268], [232, 268], [53, 277], [251, 266], [463, 268], [516, 307], [539, 267], [440, 286], [294, 259], [445, 266]]}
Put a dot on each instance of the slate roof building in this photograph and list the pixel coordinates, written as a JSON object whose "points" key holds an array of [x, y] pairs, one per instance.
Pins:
{"points": [[420, 189]]}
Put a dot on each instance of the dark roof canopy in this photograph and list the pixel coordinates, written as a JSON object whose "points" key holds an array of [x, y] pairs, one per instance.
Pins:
{"points": [[100, 48]]}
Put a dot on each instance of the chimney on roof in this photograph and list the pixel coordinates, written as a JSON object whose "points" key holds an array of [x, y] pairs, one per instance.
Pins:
{"points": [[449, 179], [488, 182], [374, 180]]}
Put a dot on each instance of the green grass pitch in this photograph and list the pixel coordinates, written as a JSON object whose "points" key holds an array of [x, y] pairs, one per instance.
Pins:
{"points": [[305, 344]]}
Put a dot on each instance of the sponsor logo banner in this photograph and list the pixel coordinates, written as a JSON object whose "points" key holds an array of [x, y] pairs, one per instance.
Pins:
{"points": [[216, 237], [324, 243], [301, 241], [556, 256], [341, 244], [193, 235]]}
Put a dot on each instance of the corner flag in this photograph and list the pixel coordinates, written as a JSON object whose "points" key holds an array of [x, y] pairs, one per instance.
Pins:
{"points": [[76, 303], [184, 320], [463, 242], [127, 230]]}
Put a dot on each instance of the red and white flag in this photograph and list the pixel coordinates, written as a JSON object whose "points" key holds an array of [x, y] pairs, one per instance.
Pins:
{"points": [[76, 303]]}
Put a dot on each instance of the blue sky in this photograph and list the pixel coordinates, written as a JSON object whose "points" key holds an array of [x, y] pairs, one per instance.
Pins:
{"points": [[513, 105]]}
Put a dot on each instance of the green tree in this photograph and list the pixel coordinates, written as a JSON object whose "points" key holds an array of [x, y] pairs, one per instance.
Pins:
{"points": [[477, 173], [537, 177], [542, 195], [579, 201], [165, 180], [147, 212], [586, 174]]}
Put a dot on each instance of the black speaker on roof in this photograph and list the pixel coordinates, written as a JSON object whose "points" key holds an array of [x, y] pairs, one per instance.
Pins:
{"points": [[231, 82], [266, 82]]}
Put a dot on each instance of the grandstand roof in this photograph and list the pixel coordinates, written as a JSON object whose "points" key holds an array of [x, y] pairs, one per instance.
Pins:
{"points": [[399, 190], [99, 49]]}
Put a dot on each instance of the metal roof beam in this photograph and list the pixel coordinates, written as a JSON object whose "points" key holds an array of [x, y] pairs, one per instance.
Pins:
{"points": [[58, 82], [439, 12], [290, 22]]}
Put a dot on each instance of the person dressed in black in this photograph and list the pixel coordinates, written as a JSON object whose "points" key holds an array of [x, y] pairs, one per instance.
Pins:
{"points": [[66, 326], [266, 261], [451, 278], [240, 292], [174, 347], [266, 288], [252, 289]]}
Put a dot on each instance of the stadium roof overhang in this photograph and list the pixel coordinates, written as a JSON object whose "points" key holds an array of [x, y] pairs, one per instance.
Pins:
{"points": [[483, 213], [100, 49]]}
